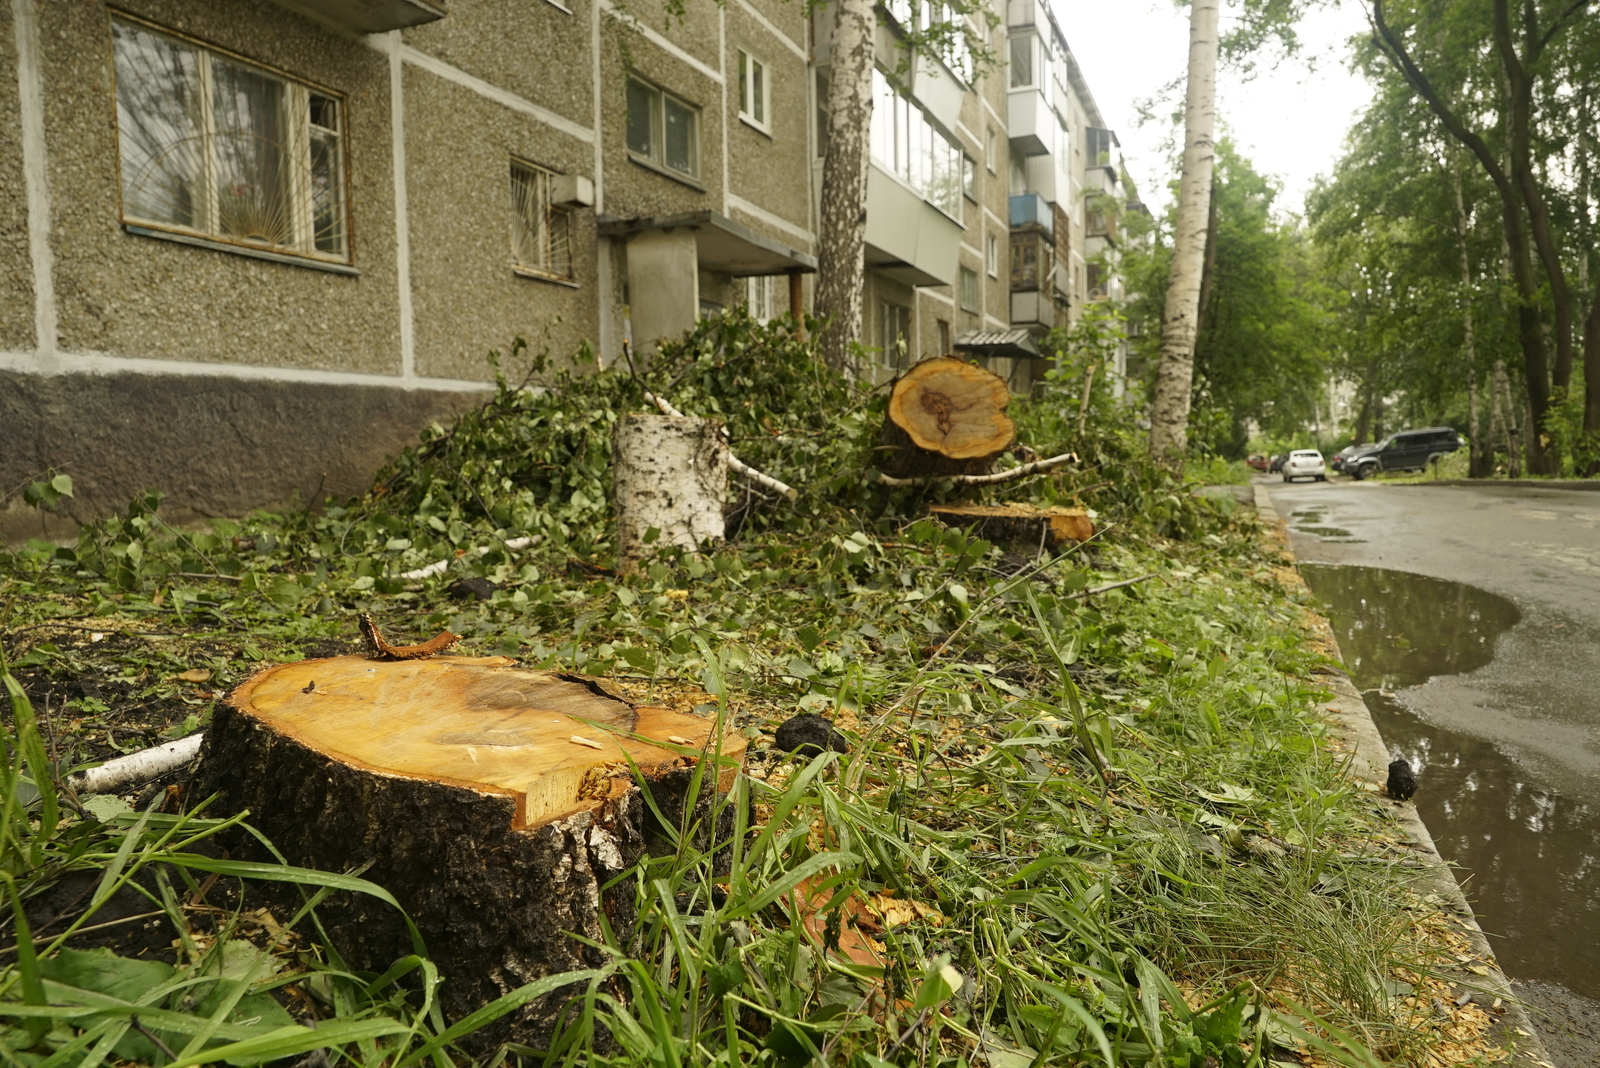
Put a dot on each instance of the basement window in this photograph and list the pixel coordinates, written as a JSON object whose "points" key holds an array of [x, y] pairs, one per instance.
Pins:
{"points": [[216, 147], [541, 233]]}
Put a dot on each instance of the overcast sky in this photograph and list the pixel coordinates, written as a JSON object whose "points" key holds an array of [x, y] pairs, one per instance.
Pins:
{"points": [[1290, 122]]}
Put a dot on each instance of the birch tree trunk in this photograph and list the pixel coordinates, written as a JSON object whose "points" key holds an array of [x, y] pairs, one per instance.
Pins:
{"points": [[671, 476], [1169, 411], [841, 270]]}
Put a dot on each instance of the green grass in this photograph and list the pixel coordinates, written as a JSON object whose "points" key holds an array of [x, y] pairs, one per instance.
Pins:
{"points": [[1215, 471], [1119, 814]]}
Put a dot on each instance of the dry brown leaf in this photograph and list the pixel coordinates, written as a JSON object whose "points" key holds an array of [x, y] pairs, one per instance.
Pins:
{"points": [[196, 675]]}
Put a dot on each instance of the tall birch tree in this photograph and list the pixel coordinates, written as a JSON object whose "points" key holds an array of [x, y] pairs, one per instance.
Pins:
{"points": [[841, 267], [1169, 410]]}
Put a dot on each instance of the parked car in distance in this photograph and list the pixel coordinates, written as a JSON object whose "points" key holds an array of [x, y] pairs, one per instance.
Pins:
{"points": [[1256, 462], [1305, 463], [1409, 450], [1337, 460], [1275, 464]]}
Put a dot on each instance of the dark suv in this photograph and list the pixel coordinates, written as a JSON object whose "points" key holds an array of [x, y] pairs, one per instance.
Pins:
{"points": [[1406, 451]]}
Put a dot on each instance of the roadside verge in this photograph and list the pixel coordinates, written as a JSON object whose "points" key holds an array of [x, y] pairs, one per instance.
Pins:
{"points": [[1480, 974]]}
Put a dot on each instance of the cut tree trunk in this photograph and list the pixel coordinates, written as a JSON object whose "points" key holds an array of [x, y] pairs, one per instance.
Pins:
{"points": [[671, 476], [946, 417], [494, 803], [1023, 527]]}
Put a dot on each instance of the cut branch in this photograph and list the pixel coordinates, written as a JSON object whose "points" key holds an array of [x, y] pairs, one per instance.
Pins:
{"points": [[1008, 475], [735, 464], [136, 769]]}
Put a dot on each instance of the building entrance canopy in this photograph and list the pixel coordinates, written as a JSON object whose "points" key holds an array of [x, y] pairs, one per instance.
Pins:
{"points": [[720, 243]]}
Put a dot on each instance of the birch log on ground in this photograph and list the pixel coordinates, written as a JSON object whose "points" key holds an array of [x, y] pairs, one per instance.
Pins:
{"points": [[1023, 527], [493, 802], [1169, 408], [670, 475], [946, 417]]}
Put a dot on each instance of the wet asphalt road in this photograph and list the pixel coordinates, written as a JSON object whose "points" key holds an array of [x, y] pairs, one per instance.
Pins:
{"points": [[1538, 547], [1478, 647]]}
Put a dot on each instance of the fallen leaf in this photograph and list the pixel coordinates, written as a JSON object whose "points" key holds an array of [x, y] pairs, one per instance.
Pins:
{"points": [[196, 675]]}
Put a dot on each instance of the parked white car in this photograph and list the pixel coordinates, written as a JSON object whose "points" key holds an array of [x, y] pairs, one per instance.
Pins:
{"points": [[1305, 463]]}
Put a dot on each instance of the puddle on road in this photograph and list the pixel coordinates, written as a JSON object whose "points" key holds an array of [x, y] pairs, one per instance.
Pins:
{"points": [[1531, 857], [1308, 522]]}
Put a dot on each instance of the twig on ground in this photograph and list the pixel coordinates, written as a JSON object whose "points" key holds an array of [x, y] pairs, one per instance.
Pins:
{"points": [[1008, 475], [1093, 590], [137, 768], [905, 1036]]}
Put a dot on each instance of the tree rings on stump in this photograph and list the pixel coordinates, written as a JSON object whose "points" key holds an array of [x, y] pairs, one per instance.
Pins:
{"points": [[1023, 527], [493, 802], [946, 417]]}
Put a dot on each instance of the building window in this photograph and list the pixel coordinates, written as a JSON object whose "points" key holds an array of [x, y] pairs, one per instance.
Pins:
{"points": [[969, 289], [904, 142], [218, 147], [541, 234], [663, 129], [753, 91], [989, 155], [969, 177], [991, 257], [894, 323], [1021, 60], [942, 330], [762, 297]]}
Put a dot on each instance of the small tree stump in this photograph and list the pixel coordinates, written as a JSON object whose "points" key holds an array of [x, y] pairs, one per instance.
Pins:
{"points": [[495, 803], [670, 474], [1020, 526], [946, 417]]}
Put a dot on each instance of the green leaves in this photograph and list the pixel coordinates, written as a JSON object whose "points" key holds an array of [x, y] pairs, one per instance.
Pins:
{"points": [[48, 494]]}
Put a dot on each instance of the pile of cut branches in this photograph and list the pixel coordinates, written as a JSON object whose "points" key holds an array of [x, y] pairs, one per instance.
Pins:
{"points": [[1071, 827]]}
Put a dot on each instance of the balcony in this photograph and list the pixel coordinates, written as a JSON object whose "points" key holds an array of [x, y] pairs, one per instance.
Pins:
{"points": [[907, 238], [370, 16], [1033, 258], [1031, 122], [1031, 209]]}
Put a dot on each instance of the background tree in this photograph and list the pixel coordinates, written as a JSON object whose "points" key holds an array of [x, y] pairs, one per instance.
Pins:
{"points": [[1261, 348]]}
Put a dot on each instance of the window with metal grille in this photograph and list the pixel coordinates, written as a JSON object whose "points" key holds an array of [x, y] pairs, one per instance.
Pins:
{"points": [[541, 234], [214, 146]]}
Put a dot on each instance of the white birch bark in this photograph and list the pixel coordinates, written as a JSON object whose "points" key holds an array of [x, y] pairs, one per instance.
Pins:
{"points": [[671, 474], [1169, 409], [841, 271]]}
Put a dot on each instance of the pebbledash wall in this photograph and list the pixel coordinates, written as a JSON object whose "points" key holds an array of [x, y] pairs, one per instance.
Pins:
{"points": [[234, 362]]}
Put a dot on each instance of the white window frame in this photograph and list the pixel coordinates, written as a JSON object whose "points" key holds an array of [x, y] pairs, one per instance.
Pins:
{"points": [[655, 159], [755, 100], [962, 274], [205, 200], [537, 225], [991, 256]]}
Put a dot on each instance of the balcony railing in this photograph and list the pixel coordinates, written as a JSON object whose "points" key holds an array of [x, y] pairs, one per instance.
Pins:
{"points": [[1031, 209], [370, 16]]}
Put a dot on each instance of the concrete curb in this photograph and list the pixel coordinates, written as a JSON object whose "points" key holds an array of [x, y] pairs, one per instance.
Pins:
{"points": [[1512, 1028]]}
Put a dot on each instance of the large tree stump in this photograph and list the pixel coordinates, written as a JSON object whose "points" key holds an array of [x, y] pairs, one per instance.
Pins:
{"points": [[1024, 527], [946, 417], [495, 803], [670, 475]]}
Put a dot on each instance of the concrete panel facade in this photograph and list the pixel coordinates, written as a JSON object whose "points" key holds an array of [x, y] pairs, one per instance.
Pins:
{"points": [[16, 265]]}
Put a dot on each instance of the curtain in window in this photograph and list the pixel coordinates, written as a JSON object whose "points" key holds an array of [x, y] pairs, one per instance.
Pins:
{"points": [[159, 114]]}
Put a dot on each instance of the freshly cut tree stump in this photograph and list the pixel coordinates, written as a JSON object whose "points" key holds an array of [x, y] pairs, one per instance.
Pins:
{"points": [[1021, 526], [494, 802], [670, 474], [946, 417]]}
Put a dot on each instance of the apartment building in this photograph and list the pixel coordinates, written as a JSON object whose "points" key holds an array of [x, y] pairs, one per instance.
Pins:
{"points": [[248, 249]]}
